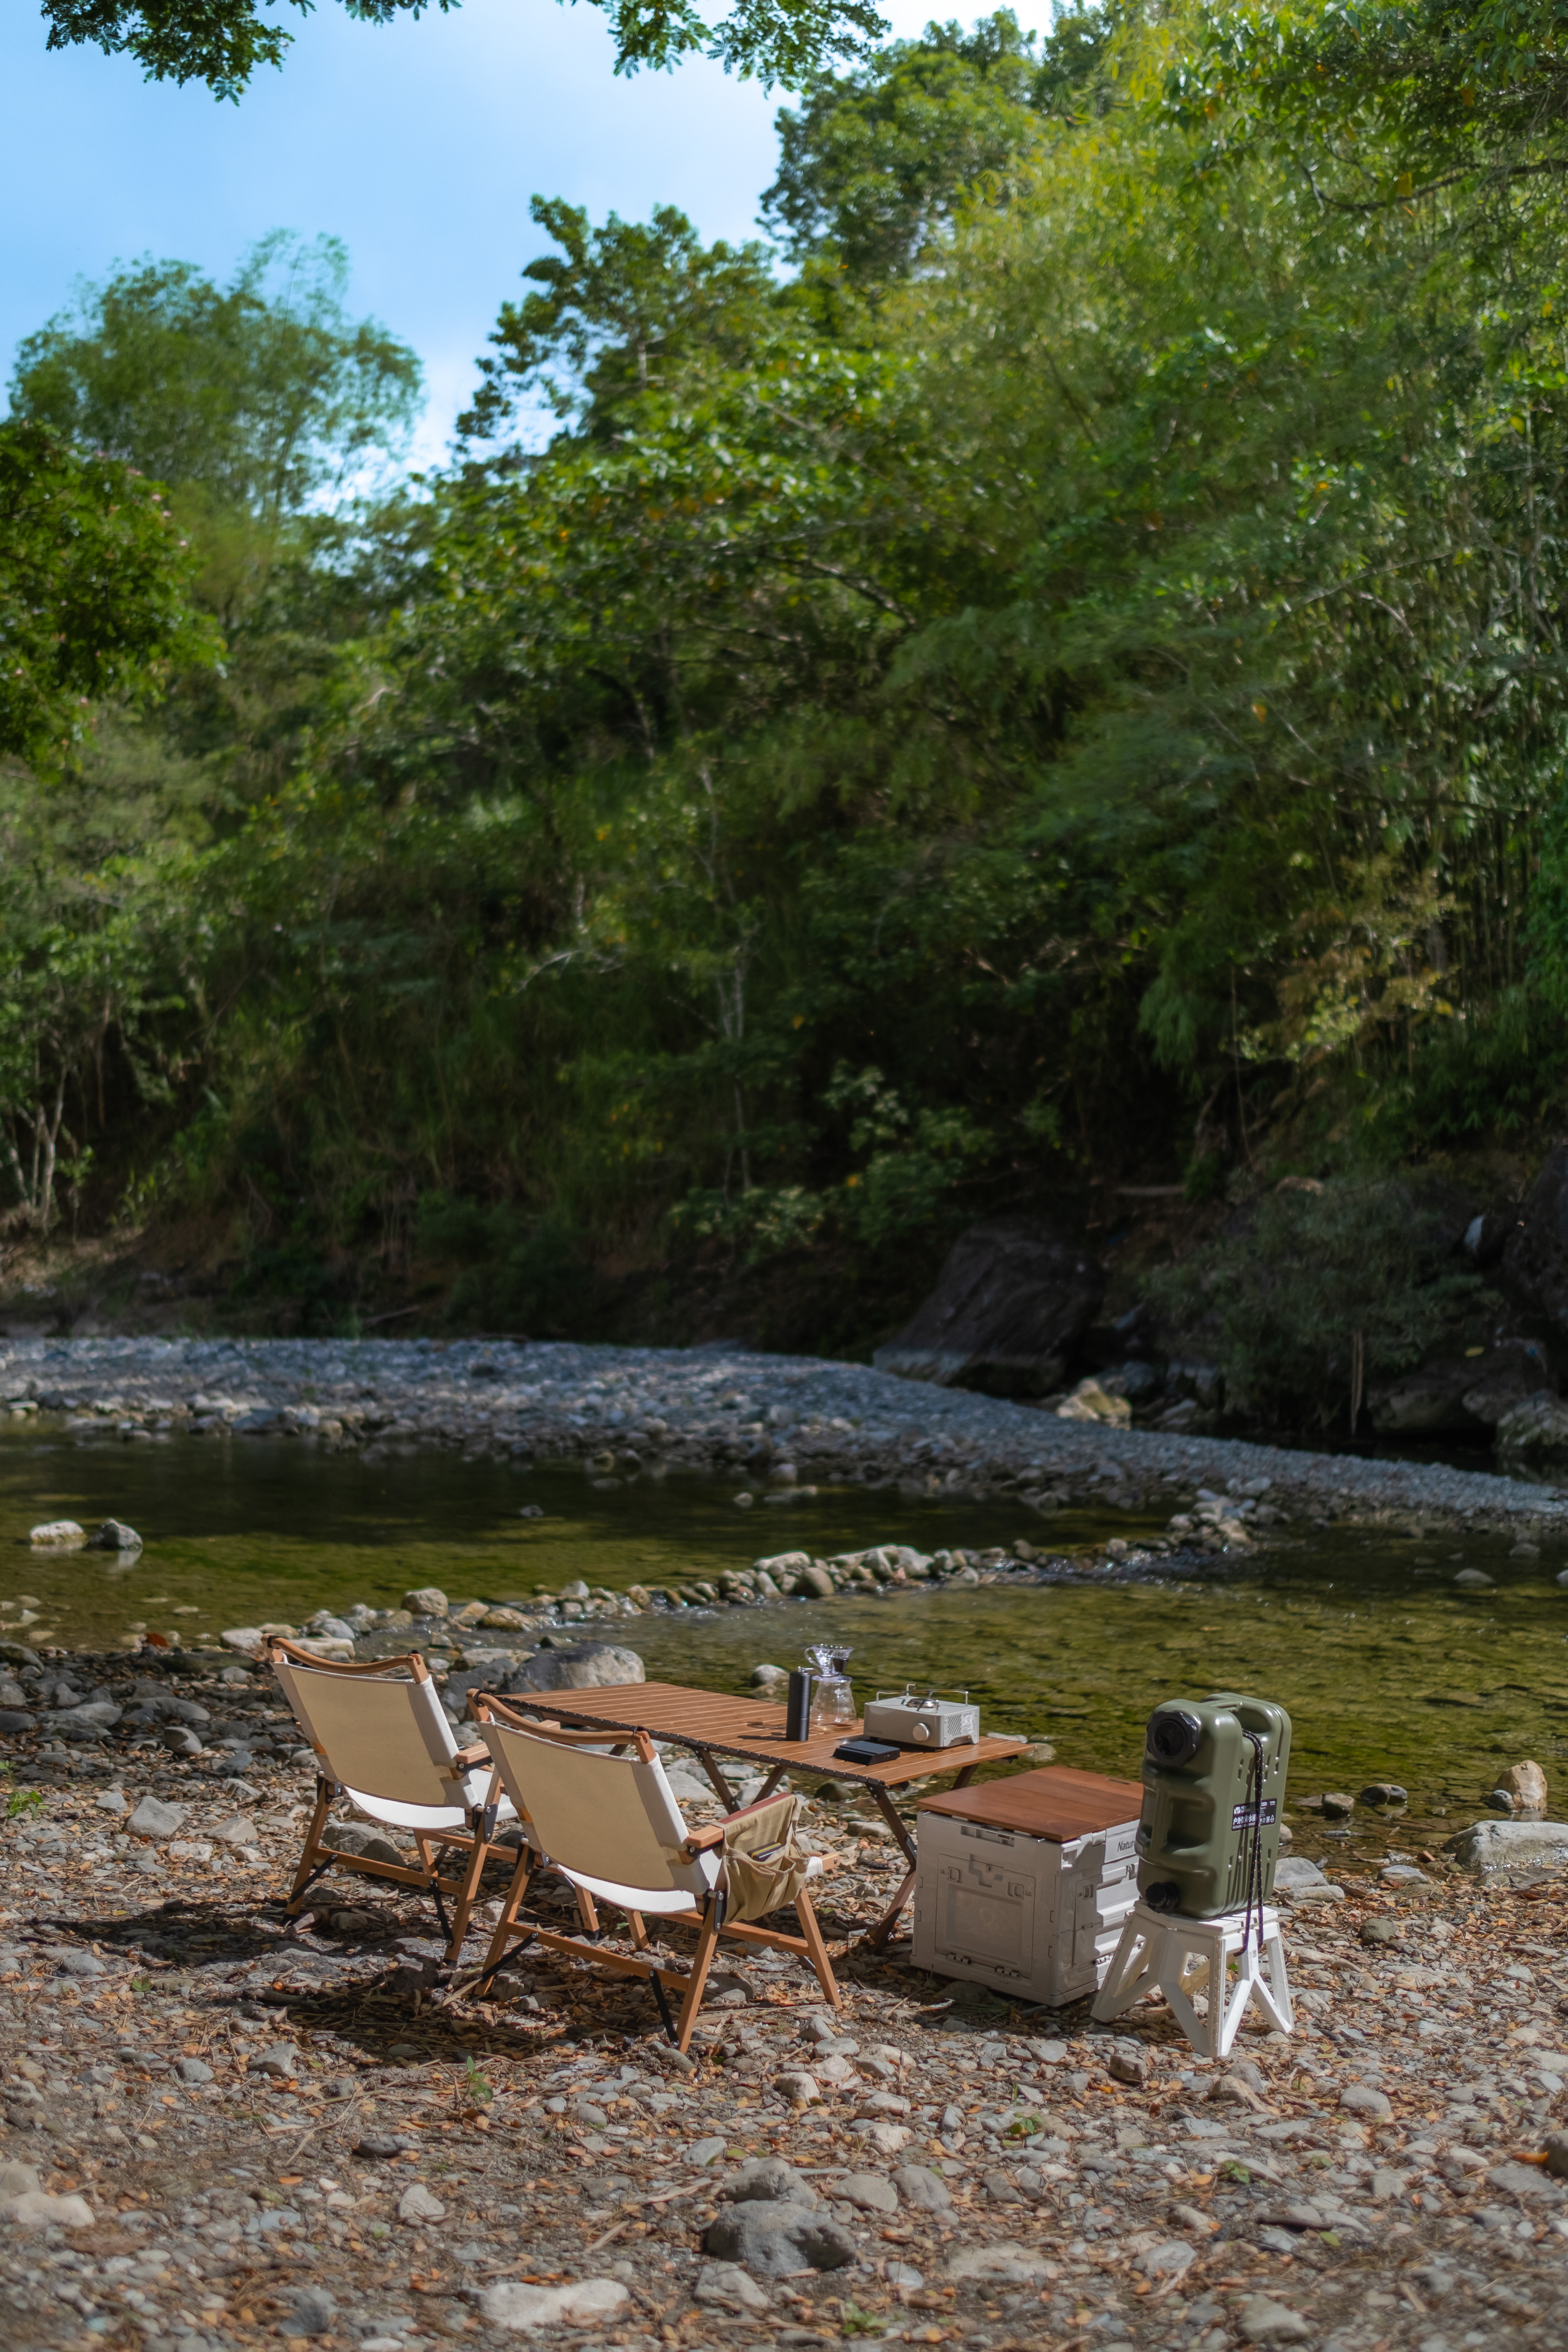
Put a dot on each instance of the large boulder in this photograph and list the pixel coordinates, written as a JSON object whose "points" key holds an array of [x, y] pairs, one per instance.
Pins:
{"points": [[585, 1666], [1510, 1846], [1009, 1309], [1539, 1425], [1458, 1396]]}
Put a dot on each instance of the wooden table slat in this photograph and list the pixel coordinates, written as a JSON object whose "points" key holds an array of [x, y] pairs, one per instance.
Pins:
{"points": [[749, 1729], [1054, 1802]]}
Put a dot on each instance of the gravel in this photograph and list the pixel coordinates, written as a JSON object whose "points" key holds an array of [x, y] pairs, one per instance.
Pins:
{"points": [[776, 1422], [240, 2130]]}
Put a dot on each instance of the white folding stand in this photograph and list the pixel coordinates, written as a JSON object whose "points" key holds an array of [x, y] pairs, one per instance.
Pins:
{"points": [[1159, 1951]]}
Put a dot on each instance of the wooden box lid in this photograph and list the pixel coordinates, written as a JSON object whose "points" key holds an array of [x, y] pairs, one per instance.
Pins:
{"points": [[1053, 1802]]}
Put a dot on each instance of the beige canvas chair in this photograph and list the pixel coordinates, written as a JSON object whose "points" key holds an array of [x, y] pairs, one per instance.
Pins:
{"points": [[382, 1740], [610, 1825]]}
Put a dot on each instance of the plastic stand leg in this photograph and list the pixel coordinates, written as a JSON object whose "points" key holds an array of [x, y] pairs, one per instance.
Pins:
{"points": [[1159, 1951]]}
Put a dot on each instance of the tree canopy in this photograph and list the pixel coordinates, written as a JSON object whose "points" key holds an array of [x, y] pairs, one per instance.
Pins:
{"points": [[222, 42], [1059, 683]]}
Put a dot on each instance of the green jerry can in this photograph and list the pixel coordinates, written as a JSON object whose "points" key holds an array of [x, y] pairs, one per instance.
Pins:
{"points": [[1213, 1783]]}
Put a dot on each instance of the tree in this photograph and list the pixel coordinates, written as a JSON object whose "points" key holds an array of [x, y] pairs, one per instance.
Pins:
{"points": [[222, 42], [875, 162], [94, 591], [622, 307], [1383, 102], [261, 395]]}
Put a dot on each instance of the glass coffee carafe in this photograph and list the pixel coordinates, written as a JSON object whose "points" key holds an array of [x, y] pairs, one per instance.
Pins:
{"points": [[832, 1698]]}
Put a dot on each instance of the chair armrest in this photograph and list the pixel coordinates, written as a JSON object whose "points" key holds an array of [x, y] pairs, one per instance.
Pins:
{"points": [[700, 1841], [470, 1759]]}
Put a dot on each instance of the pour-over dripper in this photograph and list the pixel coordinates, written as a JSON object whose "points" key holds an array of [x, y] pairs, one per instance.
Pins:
{"points": [[832, 1698]]}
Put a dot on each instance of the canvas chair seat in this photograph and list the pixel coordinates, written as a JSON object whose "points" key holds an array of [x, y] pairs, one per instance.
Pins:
{"points": [[382, 1740], [611, 1825]]}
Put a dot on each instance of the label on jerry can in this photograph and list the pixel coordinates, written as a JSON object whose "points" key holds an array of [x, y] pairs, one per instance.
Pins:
{"points": [[1252, 1817]]}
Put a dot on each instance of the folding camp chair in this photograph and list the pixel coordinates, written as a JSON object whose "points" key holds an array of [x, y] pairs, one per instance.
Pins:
{"points": [[610, 1825], [382, 1739]]}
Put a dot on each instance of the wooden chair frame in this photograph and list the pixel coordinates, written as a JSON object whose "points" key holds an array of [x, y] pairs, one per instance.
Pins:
{"points": [[708, 1919], [477, 1841]]}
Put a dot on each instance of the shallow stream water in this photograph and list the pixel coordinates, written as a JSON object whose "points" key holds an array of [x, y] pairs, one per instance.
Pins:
{"points": [[1389, 1671]]}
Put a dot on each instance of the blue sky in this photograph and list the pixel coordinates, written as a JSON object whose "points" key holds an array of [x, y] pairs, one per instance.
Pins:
{"points": [[418, 143]]}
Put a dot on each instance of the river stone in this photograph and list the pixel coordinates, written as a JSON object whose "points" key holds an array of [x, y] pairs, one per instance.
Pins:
{"points": [[351, 1837], [799, 2086], [925, 2191], [114, 1536], [1526, 1784], [508, 2305], [1263, 2321], [1364, 2099], [154, 1818], [1010, 1307], [37, 2210], [587, 1665], [1169, 2260], [776, 2239], [1505, 1845], [71, 1962], [1539, 1425], [769, 2181], [308, 2310], [237, 1829], [56, 1535], [728, 2285], [1522, 2180], [425, 1601], [416, 2204], [873, 2192]]}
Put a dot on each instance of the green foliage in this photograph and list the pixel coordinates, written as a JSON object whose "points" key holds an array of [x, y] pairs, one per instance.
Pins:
{"points": [[252, 403], [515, 1275], [22, 1802], [1069, 687], [94, 591], [222, 42], [623, 309], [875, 163], [1298, 1279]]}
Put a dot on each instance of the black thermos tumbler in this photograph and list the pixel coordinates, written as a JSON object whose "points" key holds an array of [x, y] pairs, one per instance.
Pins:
{"points": [[797, 1714]]}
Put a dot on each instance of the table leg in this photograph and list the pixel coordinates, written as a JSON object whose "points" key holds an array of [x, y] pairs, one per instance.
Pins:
{"points": [[884, 1926], [769, 1785], [894, 1820], [890, 1812], [726, 1795]]}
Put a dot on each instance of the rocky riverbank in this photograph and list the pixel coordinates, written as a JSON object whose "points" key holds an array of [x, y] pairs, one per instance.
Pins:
{"points": [[219, 2131], [776, 1426]]}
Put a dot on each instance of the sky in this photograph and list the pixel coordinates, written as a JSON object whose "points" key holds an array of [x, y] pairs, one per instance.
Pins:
{"points": [[418, 143]]}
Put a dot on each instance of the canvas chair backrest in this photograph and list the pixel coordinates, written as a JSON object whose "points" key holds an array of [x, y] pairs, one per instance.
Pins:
{"points": [[390, 1739], [612, 1819]]}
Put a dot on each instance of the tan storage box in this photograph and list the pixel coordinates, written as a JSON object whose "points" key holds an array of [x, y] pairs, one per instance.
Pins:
{"points": [[1023, 1884]]}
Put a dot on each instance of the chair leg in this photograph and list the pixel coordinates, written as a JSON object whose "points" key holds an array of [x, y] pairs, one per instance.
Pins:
{"points": [[640, 1933], [507, 1924], [467, 1894], [307, 1853], [586, 1911], [817, 1949], [707, 1945]]}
